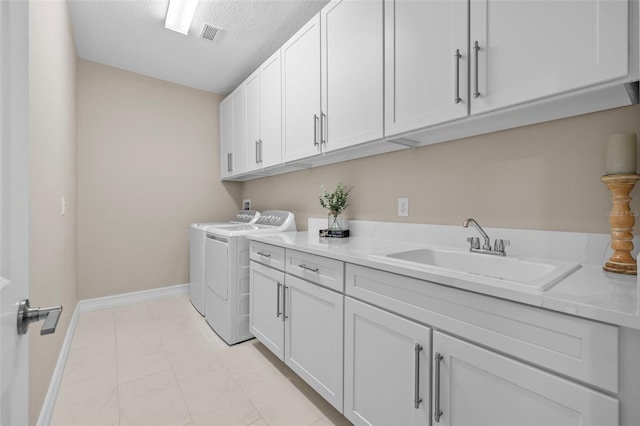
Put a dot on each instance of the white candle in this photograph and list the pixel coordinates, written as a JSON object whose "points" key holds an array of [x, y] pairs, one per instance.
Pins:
{"points": [[621, 154]]}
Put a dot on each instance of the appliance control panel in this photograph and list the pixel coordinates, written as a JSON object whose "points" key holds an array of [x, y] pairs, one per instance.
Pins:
{"points": [[274, 218], [247, 216]]}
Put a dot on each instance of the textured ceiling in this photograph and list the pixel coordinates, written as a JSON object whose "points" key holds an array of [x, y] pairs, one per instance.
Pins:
{"points": [[130, 34]]}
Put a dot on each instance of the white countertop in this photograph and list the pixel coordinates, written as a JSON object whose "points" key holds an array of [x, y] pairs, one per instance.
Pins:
{"points": [[588, 292]]}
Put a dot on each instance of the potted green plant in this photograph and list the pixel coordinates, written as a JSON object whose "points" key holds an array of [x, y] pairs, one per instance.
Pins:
{"points": [[336, 202]]}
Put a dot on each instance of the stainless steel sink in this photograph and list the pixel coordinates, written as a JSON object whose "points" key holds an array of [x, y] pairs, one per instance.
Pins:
{"points": [[526, 273]]}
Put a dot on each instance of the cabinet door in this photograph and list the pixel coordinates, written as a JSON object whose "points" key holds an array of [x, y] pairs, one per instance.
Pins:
{"points": [[271, 112], [386, 377], [252, 88], [301, 92], [531, 49], [314, 329], [239, 97], [266, 321], [426, 83], [226, 137], [352, 72], [479, 387]]}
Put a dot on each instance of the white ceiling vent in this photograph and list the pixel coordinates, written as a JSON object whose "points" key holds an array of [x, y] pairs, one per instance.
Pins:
{"points": [[209, 32]]}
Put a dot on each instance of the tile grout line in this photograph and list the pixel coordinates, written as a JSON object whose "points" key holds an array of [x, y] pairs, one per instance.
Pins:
{"points": [[164, 352]]}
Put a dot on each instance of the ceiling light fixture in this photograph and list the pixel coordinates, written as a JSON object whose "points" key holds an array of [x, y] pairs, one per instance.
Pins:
{"points": [[180, 14]]}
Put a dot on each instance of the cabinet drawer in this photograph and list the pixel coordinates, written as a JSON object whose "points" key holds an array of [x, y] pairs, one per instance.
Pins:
{"points": [[267, 254], [583, 349], [317, 269]]}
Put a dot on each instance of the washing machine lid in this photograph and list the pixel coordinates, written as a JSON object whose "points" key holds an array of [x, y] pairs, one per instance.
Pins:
{"points": [[270, 221], [242, 217]]}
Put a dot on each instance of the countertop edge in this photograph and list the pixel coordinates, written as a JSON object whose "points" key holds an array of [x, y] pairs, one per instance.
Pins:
{"points": [[553, 299]]}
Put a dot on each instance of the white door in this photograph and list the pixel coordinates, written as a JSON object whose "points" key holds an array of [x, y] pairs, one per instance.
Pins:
{"points": [[480, 387], [271, 112], [426, 61], [239, 118], [531, 49], [14, 214], [352, 72], [301, 92], [252, 87], [226, 137], [266, 320], [313, 337], [386, 367]]}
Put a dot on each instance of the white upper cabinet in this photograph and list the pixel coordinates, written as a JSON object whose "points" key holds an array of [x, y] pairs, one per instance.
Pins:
{"points": [[264, 116], [362, 74], [252, 87], [352, 72], [239, 103], [530, 49], [233, 131], [226, 137], [446, 59], [426, 63], [270, 142], [332, 80], [301, 92]]}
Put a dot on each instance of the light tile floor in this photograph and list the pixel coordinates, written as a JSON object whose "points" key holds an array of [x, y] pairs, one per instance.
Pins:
{"points": [[159, 363]]}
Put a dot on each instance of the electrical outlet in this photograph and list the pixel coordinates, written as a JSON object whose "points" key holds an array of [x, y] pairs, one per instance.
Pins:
{"points": [[403, 207], [246, 204]]}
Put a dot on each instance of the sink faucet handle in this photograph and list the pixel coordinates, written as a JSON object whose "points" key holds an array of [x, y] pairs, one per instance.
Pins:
{"points": [[475, 242], [499, 245]]}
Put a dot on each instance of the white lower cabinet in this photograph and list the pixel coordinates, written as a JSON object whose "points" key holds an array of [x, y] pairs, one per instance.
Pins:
{"points": [[386, 380], [265, 307], [397, 363], [302, 323], [313, 337], [474, 386]]}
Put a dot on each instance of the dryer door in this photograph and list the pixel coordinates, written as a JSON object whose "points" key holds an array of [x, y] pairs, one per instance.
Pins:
{"points": [[216, 269]]}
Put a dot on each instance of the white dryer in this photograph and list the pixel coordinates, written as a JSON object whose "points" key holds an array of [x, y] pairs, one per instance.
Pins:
{"points": [[196, 254], [227, 273]]}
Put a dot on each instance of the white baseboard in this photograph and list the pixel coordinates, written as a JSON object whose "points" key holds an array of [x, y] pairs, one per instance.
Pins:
{"points": [[56, 379], [123, 299], [89, 305]]}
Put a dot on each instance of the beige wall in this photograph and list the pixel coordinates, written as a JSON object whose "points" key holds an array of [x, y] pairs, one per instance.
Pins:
{"points": [[544, 176], [148, 166], [52, 165]]}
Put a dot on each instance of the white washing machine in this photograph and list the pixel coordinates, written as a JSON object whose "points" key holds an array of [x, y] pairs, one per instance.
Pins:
{"points": [[197, 236], [227, 273]]}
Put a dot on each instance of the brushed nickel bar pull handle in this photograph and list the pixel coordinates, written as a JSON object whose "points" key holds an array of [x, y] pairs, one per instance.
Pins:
{"points": [[278, 313], [308, 268], [457, 98], [315, 129], [263, 254], [284, 303], [229, 166], [476, 48], [437, 412], [257, 153], [416, 392], [323, 128], [260, 151]]}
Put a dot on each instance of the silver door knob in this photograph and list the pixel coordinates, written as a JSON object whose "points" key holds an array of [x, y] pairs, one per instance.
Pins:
{"points": [[27, 315]]}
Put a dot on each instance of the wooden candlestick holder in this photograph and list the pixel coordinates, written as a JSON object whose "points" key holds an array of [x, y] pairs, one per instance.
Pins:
{"points": [[621, 220]]}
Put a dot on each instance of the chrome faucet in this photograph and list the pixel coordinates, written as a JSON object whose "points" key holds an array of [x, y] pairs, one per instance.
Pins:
{"points": [[498, 247]]}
